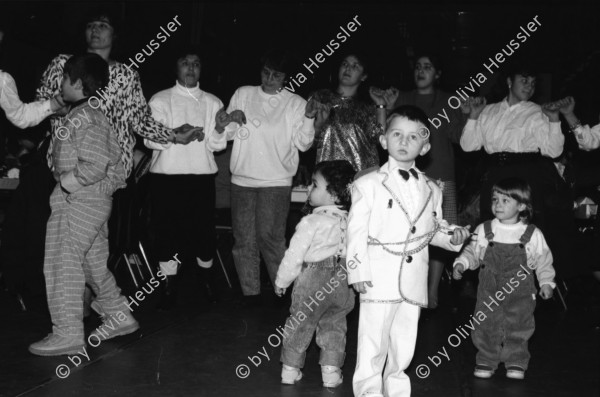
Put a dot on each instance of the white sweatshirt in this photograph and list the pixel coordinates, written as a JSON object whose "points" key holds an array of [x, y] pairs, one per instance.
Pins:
{"points": [[265, 149], [180, 105]]}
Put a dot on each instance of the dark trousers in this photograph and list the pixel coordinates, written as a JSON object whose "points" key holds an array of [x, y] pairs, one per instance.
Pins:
{"points": [[182, 216], [24, 230]]}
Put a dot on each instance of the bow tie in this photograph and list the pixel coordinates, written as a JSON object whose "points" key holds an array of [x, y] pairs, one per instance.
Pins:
{"points": [[406, 174]]}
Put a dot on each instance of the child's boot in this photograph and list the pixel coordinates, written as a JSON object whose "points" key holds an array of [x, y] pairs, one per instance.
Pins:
{"points": [[332, 376], [290, 375]]}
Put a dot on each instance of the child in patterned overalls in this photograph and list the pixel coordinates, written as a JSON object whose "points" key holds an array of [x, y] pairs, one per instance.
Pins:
{"points": [[315, 263], [507, 249]]}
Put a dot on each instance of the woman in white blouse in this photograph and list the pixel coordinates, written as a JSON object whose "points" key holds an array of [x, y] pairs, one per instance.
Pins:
{"points": [[520, 136]]}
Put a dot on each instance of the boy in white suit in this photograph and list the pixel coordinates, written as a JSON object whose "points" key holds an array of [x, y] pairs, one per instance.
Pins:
{"points": [[396, 213]]}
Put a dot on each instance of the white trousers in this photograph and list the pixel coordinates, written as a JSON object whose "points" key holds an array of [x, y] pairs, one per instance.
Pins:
{"points": [[385, 330]]}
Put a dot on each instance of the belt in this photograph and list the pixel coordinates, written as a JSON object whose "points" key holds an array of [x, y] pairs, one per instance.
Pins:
{"points": [[506, 158], [330, 262]]}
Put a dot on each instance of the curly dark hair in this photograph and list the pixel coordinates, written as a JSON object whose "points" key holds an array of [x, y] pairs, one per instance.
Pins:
{"points": [[338, 174]]}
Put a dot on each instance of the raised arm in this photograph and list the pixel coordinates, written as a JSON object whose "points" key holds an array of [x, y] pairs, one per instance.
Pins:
{"points": [[472, 134], [21, 114], [303, 124]]}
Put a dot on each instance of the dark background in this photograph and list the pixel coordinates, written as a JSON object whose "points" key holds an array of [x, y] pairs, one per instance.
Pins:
{"points": [[233, 36]]}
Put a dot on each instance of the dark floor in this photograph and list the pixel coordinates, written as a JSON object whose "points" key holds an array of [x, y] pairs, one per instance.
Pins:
{"points": [[196, 350]]}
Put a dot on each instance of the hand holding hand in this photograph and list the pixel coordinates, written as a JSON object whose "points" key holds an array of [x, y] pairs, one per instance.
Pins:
{"points": [[238, 116], [546, 291], [476, 106], [377, 95], [460, 235], [465, 105], [361, 286], [186, 133], [551, 110], [280, 291], [58, 106], [458, 271], [314, 107], [567, 105], [391, 96], [222, 120]]}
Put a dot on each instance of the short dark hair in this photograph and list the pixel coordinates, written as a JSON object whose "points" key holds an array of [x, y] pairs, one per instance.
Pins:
{"points": [[186, 50], [91, 69], [103, 15], [523, 68], [411, 112], [434, 59], [279, 60], [360, 55], [339, 174], [519, 190]]}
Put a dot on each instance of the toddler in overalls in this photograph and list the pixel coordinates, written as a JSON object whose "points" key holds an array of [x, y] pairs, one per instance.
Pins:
{"points": [[508, 250], [315, 262]]}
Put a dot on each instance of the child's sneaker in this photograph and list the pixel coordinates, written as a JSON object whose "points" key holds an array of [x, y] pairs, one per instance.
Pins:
{"points": [[515, 372], [57, 345], [483, 371], [113, 325], [290, 375], [332, 376]]}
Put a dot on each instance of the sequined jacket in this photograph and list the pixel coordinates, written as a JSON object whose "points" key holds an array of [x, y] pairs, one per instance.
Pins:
{"points": [[389, 242], [350, 133]]}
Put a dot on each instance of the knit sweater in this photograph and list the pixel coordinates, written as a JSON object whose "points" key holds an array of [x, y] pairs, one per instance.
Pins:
{"points": [[265, 149], [177, 106]]}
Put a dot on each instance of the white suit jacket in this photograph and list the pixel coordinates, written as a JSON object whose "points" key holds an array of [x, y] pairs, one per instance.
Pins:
{"points": [[379, 216]]}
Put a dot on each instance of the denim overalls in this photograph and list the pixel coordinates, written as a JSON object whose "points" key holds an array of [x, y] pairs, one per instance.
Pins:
{"points": [[503, 335], [321, 300]]}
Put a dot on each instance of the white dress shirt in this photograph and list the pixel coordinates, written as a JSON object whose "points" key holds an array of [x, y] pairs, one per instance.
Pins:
{"points": [[21, 114], [520, 128], [588, 138]]}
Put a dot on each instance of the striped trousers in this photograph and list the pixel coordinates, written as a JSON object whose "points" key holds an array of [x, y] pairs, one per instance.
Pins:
{"points": [[76, 253]]}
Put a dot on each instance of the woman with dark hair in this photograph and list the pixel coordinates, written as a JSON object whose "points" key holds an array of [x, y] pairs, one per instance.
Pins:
{"points": [[520, 137], [438, 164], [272, 126], [182, 179], [348, 128]]}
